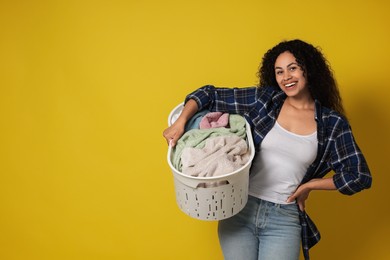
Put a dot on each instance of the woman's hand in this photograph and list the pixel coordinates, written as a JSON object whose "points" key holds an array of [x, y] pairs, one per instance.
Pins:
{"points": [[302, 193], [174, 132]]}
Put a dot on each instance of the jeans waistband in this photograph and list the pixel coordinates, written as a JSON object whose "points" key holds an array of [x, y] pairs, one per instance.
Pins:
{"points": [[269, 203]]}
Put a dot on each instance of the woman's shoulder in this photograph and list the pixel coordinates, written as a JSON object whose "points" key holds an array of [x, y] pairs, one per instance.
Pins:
{"points": [[332, 118], [269, 91]]}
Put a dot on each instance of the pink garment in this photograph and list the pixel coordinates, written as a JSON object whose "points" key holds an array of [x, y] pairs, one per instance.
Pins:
{"points": [[214, 120]]}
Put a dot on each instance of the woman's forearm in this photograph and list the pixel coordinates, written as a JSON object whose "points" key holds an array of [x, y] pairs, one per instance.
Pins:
{"points": [[321, 184], [176, 130], [190, 108]]}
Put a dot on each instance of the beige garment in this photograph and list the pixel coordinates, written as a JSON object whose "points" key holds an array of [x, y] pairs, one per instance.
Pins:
{"points": [[220, 155]]}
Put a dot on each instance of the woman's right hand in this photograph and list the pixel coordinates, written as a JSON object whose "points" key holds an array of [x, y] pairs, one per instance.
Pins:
{"points": [[174, 132]]}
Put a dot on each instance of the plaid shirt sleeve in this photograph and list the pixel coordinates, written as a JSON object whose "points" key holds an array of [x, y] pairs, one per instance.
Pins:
{"points": [[347, 161], [230, 100]]}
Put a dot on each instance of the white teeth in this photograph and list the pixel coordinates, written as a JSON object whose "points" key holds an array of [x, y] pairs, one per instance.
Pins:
{"points": [[289, 85]]}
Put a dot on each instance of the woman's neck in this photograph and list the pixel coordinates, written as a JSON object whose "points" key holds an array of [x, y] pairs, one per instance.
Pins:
{"points": [[301, 103]]}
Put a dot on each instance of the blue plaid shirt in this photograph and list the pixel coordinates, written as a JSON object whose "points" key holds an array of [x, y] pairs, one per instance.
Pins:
{"points": [[337, 149]]}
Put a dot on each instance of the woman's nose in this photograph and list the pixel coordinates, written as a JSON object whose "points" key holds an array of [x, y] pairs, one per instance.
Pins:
{"points": [[286, 76]]}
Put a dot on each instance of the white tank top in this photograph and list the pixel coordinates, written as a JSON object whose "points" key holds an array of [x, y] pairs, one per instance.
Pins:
{"points": [[281, 164]]}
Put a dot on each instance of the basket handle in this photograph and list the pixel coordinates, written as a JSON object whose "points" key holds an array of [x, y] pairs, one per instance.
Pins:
{"points": [[212, 184]]}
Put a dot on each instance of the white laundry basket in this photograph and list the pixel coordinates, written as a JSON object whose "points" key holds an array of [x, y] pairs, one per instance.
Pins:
{"points": [[211, 198]]}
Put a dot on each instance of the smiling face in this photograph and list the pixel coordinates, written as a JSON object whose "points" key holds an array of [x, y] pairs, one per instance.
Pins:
{"points": [[290, 76]]}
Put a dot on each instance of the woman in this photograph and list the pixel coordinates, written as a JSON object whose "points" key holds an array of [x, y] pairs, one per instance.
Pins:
{"points": [[301, 133]]}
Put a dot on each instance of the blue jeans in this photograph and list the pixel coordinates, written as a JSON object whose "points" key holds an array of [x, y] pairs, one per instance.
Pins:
{"points": [[261, 231]]}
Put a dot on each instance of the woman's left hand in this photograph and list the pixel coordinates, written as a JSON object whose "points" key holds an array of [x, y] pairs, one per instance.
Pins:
{"points": [[300, 195]]}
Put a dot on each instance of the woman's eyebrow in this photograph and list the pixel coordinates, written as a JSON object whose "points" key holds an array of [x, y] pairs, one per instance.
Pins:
{"points": [[289, 65], [292, 63]]}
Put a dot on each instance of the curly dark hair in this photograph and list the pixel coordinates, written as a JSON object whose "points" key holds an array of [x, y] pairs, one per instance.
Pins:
{"points": [[319, 75]]}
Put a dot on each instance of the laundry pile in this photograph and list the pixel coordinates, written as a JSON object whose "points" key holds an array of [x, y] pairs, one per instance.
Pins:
{"points": [[214, 144]]}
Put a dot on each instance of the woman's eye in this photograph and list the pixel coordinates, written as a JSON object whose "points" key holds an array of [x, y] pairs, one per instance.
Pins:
{"points": [[293, 68], [279, 72]]}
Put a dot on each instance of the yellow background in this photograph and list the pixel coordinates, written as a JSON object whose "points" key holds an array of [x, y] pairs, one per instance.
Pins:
{"points": [[85, 91]]}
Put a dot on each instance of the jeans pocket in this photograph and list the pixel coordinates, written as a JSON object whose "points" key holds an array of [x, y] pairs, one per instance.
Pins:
{"points": [[289, 210]]}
